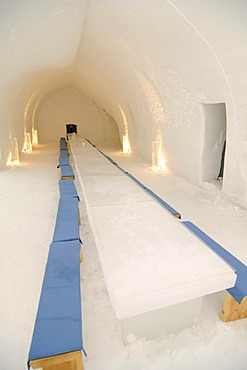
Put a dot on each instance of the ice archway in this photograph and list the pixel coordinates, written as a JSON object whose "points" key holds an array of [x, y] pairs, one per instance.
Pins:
{"points": [[160, 61]]}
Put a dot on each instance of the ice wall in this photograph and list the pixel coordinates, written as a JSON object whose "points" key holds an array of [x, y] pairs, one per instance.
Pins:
{"points": [[150, 64]]}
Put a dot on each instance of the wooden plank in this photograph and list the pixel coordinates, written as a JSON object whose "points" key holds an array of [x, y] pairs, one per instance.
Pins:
{"points": [[232, 310], [79, 216], [68, 177], [65, 361], [81, 256]]}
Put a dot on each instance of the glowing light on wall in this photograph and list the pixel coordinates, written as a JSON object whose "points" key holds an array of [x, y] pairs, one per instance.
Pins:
{"points": [[158, 158], [13, 158], [35, 140], [126, 143], [27, 147]]}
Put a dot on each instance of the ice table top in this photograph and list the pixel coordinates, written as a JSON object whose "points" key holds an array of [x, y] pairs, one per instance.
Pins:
{"points": [[108, 190], [149, 260]]}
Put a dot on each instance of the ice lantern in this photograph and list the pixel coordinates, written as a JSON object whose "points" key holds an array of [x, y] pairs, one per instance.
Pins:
{"points": [[158, 159], [35, 140], [126, 144], [13, 159], [27, 147]]}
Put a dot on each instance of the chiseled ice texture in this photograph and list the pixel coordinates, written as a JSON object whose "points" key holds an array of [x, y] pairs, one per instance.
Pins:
{"points": [[154, 67]]}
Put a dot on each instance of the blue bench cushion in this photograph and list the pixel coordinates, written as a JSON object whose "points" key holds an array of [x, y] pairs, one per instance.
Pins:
{"points": [[239, 291], [67, 171], [64, 153], [67, 189], [58, 326], [163, 203], [67, 222], [63, 145], [63, 161]]}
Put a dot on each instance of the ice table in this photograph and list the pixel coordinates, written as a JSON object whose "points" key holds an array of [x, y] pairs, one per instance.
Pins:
{"points": [[58, 328], [235, 304], [155, 270]]}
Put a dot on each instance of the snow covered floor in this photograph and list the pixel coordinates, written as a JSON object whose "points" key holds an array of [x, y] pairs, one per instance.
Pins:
{"points": [[29, 198]]}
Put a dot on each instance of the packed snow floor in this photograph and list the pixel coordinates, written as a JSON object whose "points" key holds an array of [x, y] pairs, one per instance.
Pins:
{"points": [[29, 198]]}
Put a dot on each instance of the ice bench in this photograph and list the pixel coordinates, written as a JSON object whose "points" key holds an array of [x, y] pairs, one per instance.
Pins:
{"points": [[57, 336], [156, 271], [235, 304]]}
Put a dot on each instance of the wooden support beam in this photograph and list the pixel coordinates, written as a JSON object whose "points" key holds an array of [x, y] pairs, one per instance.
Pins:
{"points": [[66, 361], [81, 256], [68, 177], [79, 217], [232, 310]]}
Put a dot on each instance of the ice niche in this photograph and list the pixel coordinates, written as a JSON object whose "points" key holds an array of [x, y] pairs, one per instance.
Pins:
{"points": [[13, 158], [27, 147], [158, 158]]}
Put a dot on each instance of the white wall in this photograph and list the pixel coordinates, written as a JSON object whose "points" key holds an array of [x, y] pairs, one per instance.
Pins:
{"points": [[65, 106]]}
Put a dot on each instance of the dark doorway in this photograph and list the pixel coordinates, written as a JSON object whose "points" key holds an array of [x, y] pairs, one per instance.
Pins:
{"points": [[213, 158], [71, 128]]}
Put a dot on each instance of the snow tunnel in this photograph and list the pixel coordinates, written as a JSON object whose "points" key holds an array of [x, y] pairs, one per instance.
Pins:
{"points": [[141, 71]]}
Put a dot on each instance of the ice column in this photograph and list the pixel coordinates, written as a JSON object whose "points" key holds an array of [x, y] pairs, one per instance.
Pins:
{"points": [[27, 147], [13, 159]]}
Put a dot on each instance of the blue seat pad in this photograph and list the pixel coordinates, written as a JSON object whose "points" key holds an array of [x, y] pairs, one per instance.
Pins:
{"points": [[67, 189], [66, 171], [63, 161], [67, 223], [58, 326], [64, 152], [239, 291]]}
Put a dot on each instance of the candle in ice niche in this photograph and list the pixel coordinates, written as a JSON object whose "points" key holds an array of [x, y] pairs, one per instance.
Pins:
{"points": [[126, 144], [35, 140], [27, 147], [158, 159], [13, 158]]}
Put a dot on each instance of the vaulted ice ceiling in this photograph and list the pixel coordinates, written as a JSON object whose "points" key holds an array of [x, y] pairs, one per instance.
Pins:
{"points": [[155, 66]]}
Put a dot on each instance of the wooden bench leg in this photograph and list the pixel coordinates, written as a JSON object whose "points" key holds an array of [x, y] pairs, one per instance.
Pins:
{"points": [[232, 310], [66, 361], [68, 177], [79, 217], [81, 256]]}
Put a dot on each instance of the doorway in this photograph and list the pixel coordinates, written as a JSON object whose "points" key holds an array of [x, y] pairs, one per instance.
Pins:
{"points": [[71, 128], [213, 158]]}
